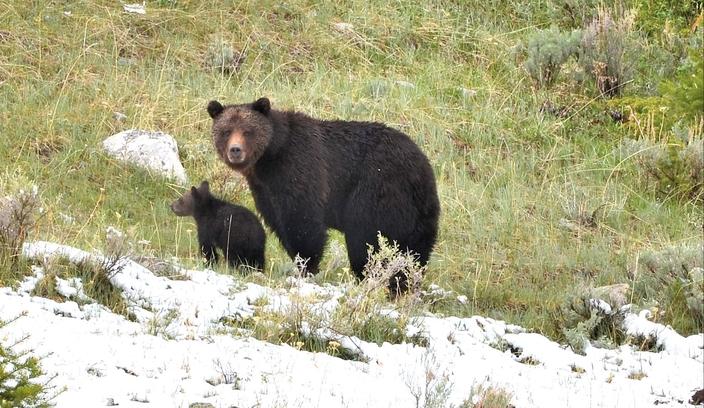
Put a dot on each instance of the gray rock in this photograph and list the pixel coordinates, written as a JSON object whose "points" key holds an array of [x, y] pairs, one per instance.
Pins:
{"points": [[154, 151], [615, 295], [466, 93], [405, 84], [135, 8], [345, 28], [568, 225]]}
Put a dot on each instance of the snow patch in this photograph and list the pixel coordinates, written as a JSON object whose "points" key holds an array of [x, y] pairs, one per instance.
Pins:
{"points": [[100, 356]]}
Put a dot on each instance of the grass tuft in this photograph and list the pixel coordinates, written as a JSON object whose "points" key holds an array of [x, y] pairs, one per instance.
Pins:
{"points": [[94, 279]]}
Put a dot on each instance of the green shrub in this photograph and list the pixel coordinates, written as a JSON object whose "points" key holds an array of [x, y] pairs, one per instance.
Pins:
{"points": [[673, 170], [18, 217], [222, 57], [677, 99], [654, 15], [546, 51], [581, 322], [672, 279], [19, 379], [297, 327], [607, 50], [387, 265], [363, 312], [575, 13], [684, 95]]}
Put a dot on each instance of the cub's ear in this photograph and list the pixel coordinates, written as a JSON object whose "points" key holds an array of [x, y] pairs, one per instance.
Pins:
{"points": [[215, 109], [262, 105], [204, 188], [194, 193]]}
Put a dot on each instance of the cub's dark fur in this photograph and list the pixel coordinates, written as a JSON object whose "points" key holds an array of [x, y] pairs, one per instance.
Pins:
{"points": [[233, 229]]}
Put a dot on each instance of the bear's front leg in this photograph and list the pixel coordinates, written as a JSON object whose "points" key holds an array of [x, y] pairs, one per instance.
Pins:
{"points": [[209, 253], [304, 235]]}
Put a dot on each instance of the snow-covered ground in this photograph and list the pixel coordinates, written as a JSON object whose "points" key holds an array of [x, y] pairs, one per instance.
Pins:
{"points": [[103, 359]]}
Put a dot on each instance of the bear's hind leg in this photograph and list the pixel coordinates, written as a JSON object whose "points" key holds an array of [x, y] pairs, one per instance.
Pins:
{"points": [[357, 251]]}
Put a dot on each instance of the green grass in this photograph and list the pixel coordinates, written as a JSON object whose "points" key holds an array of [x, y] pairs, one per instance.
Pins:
{"points": [[507, 174], [95, 281]]}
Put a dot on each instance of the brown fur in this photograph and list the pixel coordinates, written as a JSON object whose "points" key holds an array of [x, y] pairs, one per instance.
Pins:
{"points": [[307, 175]]}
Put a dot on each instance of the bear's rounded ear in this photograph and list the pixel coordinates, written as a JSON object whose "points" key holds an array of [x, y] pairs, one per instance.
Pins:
{"points": [[215, 108], [262, 105], [204, 187]]}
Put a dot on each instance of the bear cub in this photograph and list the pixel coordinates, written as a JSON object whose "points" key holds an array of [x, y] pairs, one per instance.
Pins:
{"points": [[233, 229]]}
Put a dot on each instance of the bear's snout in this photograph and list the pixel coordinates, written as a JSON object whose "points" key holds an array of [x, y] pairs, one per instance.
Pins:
{"points": [[176, 209], [235, 153], [235, 148]]}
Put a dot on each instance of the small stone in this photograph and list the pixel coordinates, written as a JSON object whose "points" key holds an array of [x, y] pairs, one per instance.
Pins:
{"points": [[135, 8], [462, 299], [215, 381], [343, 27], [67, 219], [119, 116], [96, 372], [568, 225], [405, 84], [466, 93], [615, 295]]}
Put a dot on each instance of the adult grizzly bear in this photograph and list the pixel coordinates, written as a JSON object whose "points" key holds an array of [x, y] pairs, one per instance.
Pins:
{"points": [[307, 175]]}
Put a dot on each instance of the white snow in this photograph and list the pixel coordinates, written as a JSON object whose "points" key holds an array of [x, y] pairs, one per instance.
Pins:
{"points": [[155, 151], [101, 357], [665, 337], [135, 8]]}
